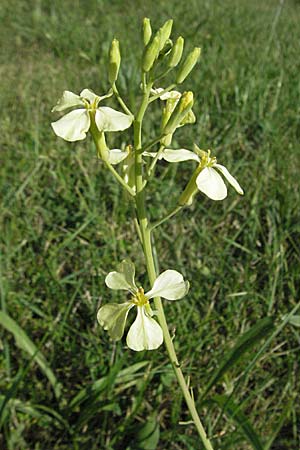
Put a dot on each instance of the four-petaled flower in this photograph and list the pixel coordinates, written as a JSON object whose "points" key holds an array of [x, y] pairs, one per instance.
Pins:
{"points": [[74, 125], [145, 333], [208, 179]]}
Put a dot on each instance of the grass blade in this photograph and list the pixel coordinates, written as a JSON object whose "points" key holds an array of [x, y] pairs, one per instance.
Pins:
{"points": [[233, 411], [26, 344], [259, 331]]}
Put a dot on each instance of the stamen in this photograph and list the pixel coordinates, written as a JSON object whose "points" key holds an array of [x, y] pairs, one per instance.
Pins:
{"points": [[139, 299]]}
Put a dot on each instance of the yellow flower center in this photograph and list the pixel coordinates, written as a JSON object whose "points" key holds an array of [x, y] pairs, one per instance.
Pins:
{"points": [[91, 106], [139, 298], [206, 160]]}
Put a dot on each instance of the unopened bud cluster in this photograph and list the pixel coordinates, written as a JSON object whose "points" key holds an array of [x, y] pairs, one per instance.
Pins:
{"points": [[160, 46]]}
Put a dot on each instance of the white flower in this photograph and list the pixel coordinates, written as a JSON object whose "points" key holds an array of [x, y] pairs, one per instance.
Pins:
{"points": [[208, 181], [145, 333], [74, 125]]}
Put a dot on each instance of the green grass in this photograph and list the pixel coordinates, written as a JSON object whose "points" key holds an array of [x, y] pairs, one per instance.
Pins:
{"points": [[65, 224]]}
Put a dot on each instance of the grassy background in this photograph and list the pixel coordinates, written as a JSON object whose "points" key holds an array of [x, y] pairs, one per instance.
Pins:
{"points": [[65, 224]]}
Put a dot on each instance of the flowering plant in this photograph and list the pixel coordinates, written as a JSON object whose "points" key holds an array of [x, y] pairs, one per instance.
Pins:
{"points": [[134, 167]]}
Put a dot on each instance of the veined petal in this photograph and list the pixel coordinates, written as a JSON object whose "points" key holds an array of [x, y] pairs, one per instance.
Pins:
{"points": [[211, 184], [73, 126], [145, 333], [170, 285], [231, 180], [127, 268], [89, 95], [108, 119], [123, 278], [179, 155], [112, 318], [68, 100], [166, 95], [115, 156]]}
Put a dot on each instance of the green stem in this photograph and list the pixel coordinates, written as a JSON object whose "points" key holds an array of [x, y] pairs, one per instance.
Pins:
{"points": [[102, 151], [169, 344], [148, 251], [169, 88], [168, 216], [155, 159], [152, 143], [121, 101], [119, 178]]}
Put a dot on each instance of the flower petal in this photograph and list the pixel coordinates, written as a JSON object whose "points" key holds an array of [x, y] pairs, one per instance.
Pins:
{"points": [[171, 94], [115, 156], [179, 155], [152, 154], [113, 317], [211, 184], [89, 95], [170, 285], [166, 95], [73, 126], [108, 119], [145, 333], [68, 100], [123, 278], [128, 269], [156, 91], [231, 180]]}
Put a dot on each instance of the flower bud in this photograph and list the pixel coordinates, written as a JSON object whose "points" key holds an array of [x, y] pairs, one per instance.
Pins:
{"points": [[147, 31], [151, 53], [114, 61], [182, 108], [164, 33], [188, 65], [168, 110], [176, 52], [166, 49]]}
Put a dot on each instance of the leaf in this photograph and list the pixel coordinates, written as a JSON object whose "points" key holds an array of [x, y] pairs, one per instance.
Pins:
{"points": [[117, 377], [233, 411], [259, 331], [294, 320], [147, 437], [43, 414], [26, 344]]}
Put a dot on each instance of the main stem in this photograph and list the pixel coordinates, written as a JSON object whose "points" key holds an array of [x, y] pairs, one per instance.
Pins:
{"points": [[148, 251]]}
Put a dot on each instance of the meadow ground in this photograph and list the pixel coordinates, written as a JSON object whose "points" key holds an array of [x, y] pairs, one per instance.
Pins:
{"points": [[65, 224]]}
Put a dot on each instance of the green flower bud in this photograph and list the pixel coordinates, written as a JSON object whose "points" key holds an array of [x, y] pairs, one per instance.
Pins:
{"points": [[164, 33], [168, 110], [182, 108], [176, 52], [114, 61], [166, 49], [188, 65], [151, 53], [147, 31], [188, 119]]}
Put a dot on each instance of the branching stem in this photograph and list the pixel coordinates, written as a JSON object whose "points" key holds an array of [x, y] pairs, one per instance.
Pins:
{"points": [[145, 230]]}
